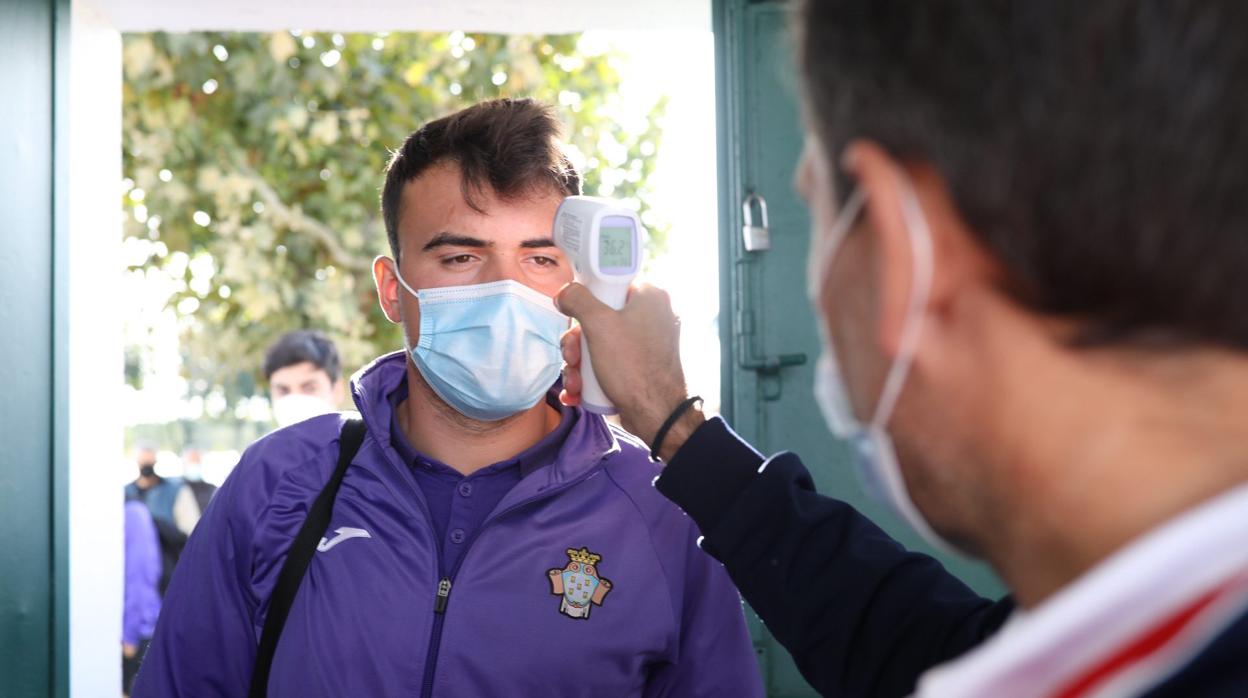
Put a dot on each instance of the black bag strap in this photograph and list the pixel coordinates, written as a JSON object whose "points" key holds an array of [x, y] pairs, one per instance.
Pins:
{"points": [[300, 556]]}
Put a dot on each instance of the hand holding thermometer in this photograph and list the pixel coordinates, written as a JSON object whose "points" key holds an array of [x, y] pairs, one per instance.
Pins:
{"points": [[603, 239]]}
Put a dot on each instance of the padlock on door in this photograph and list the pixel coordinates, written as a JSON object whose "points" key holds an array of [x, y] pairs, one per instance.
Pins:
{"points": [[757, 238]]}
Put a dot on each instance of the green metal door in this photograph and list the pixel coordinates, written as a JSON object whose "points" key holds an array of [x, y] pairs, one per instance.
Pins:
{"points": [[33, 515], [770, 343]]}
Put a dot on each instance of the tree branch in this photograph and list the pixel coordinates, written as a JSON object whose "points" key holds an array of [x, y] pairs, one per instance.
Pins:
{"points": [[300, 222]]}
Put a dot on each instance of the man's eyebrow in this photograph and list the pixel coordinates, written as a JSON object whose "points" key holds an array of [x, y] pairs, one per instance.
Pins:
{"points": [[537, 243], [445, 239]]}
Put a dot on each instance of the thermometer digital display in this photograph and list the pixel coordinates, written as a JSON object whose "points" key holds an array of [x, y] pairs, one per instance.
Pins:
{"points": [[615, 248]]}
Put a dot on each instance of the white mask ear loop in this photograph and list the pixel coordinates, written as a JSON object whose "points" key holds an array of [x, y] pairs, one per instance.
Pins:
{"points": [[824, 248], [407, 343], [921, 247], [403, 283]]}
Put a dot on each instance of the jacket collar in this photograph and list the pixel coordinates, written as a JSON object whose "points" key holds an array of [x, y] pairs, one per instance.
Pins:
{"points": [[1171, 591], [588, 443]]}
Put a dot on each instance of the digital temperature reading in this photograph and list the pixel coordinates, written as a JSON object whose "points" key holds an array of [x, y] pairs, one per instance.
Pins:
{"points": [[615, 247]]}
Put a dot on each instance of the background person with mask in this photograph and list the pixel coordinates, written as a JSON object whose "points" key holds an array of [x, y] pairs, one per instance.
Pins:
{"points": [[304, 375], [485, 541], [172, 505], [1028, 259], [193, 476]]}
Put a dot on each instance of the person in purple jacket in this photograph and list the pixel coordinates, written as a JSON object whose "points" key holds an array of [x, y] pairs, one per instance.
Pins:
{"points": [[141, 602], [486, 540]]}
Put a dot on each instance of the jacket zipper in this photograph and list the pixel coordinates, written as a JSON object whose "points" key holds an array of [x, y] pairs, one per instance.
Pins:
{"points": [[435, 637], [444, 584], [444, 592]]}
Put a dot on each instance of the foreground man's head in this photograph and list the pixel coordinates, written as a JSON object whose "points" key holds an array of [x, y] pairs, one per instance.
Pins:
{"points": [[1083, 350]]}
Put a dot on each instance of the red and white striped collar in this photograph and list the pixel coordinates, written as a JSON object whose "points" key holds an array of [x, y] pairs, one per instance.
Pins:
{"points": [[1124, 626]]}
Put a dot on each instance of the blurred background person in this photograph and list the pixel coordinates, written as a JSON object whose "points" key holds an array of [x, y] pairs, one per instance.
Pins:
{"points": [[193, 475], [142, 596], [304, 375], [170, 503]]}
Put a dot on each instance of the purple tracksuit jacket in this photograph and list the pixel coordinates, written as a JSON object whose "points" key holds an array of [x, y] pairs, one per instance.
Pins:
{"points": [[584, 581], [142, 563]]}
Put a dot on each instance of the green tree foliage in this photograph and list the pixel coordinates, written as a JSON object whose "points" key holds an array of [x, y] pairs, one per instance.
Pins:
{"points": [[253, 165]]}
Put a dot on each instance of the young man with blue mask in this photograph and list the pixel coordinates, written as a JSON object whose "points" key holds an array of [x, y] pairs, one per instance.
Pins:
{"points": [[485, 540]]}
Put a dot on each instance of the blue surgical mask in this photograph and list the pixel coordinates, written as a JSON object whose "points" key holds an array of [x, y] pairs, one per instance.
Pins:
{"points": [[875, 457], [488, 350]]}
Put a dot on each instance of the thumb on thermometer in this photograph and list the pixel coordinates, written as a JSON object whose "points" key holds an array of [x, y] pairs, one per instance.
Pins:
{"points": [[579, 303]]}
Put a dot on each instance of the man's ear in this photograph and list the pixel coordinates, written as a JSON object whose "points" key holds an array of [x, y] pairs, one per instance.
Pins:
{"points": [[387, 287], [879, 176], [956, 257]]}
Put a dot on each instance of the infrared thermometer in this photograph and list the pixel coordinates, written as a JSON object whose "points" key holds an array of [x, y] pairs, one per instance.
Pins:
{"points": [[603, 238]]}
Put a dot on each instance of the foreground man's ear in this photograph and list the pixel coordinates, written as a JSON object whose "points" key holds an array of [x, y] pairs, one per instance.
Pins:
{"points": [[892, 259], [958, 258]]}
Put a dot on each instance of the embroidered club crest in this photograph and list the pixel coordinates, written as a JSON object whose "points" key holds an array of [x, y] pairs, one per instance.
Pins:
{"points": [[579, 584]]}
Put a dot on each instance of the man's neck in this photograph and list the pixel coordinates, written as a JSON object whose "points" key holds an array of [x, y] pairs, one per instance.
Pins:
{"points": [[436, 430], [1142, 444]]}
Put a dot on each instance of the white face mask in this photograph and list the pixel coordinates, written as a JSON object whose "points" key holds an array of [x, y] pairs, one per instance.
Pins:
{"points": [[874, 454], [297, 407]]}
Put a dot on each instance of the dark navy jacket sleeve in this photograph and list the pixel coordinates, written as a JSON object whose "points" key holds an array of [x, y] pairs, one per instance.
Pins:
{"points": [[860, 615]]}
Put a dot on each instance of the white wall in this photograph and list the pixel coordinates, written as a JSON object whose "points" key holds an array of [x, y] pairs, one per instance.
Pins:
{"points": [[95, 354], [502, 16]]}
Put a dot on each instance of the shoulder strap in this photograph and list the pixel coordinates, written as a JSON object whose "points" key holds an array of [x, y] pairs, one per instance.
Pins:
{"points": [[299, 556]]}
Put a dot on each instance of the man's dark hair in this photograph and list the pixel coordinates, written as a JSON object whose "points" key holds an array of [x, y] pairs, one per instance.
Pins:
{"points": [[508, 145], [299, 346], [1099, 150]]}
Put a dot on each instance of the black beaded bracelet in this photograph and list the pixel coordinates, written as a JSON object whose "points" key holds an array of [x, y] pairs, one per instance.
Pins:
{"points": [[676, 414]]}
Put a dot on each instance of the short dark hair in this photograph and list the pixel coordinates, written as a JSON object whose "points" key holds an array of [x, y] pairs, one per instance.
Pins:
{"points": [[1098, 150], [299, 346], [509, 145]]}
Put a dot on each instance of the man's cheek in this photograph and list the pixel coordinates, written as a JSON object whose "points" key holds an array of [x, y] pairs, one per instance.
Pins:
{"points": [[553, 283]]}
